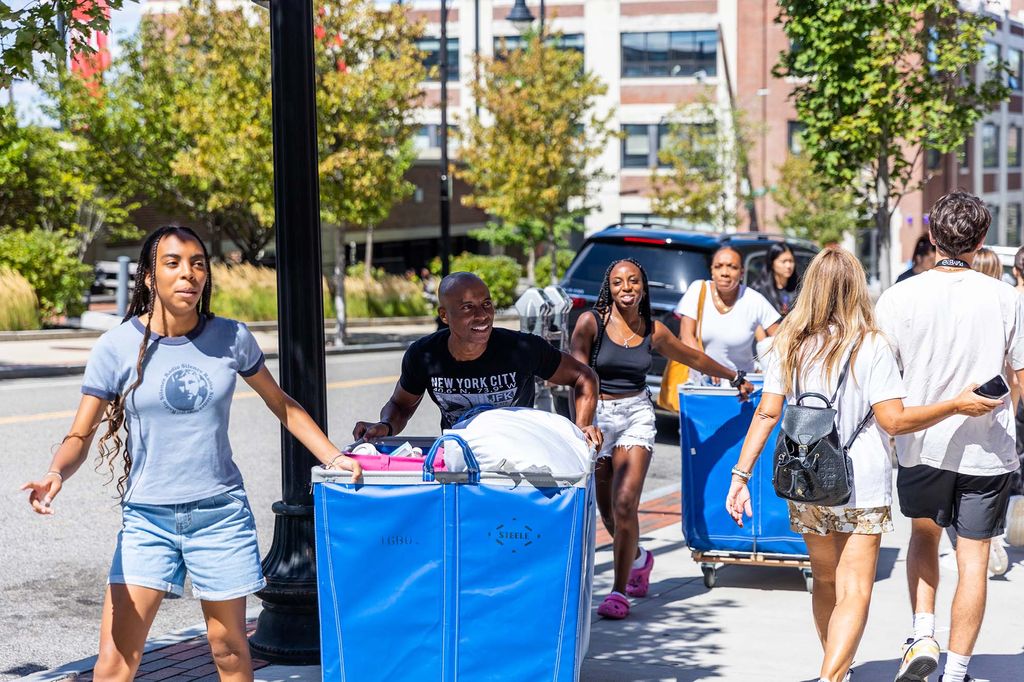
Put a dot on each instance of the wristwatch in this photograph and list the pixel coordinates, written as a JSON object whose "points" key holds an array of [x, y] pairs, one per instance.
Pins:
{"points": [[741, 376]]}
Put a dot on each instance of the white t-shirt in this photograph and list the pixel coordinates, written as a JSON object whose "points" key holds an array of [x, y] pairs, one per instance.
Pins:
{"points": [[948, 330], [874, 377], [729, 338]]}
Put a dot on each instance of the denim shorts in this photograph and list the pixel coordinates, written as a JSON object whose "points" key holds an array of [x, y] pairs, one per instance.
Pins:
{"points": [[626, 422], [212, 540]]}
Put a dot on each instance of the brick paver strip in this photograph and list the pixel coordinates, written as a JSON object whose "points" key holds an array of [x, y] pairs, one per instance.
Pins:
{"points": [[654, 514]]}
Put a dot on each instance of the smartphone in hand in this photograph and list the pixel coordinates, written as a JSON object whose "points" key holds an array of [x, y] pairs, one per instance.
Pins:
{"points": [[995, 388]]}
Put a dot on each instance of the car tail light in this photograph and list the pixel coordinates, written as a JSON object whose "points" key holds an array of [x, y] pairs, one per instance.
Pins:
{"points": [[645, 240], [578, 302]]}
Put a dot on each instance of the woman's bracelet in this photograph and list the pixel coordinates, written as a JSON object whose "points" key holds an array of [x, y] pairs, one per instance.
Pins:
{"points": [[52, 472], [330, 465], [743, 475]]}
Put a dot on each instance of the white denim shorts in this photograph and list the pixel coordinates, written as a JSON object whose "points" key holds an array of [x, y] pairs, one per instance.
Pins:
{"points": [[626, 422]]}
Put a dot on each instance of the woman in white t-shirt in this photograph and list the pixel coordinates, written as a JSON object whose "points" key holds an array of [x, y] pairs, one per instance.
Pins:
{"points": [[831, 325], [732, 313]]}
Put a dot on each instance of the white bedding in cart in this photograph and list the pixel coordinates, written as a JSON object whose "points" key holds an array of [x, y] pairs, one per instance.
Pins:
{"points": [[523, 440]]}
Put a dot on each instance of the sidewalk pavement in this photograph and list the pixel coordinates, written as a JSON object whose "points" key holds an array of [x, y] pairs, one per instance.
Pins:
{"points": [[44, 356], [754, 625]]}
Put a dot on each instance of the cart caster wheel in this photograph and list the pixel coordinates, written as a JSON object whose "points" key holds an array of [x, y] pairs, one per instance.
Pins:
{"points": [[710, 576], [808, 579]]}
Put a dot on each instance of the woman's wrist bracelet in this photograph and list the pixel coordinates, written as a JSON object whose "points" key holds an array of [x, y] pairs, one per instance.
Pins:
{"points": [[330, 465], [743, 475], [53, 472]]}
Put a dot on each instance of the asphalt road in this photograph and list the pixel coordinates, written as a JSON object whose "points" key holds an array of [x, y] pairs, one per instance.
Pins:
{"points": [[53, 569]]}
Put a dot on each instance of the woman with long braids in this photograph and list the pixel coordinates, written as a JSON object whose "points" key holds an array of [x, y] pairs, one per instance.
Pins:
{"points": [[167, 375], [617, 339]]}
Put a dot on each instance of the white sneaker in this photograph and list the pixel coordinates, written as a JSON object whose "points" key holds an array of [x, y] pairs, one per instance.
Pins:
{"points": [[920, 659]]}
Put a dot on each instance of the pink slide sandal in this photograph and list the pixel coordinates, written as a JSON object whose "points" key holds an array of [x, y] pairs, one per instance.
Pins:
{"points": [[614, 606], [640, 578]]}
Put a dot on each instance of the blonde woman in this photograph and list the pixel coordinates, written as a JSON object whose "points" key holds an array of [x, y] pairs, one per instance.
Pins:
{"points": [[833, 325], [987, 263]]}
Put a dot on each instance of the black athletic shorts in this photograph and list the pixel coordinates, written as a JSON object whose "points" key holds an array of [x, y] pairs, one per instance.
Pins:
{"points": [[975, 506]]}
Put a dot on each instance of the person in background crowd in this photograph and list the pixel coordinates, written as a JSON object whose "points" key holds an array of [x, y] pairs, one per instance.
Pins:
{"points": [[829, 334], [470, 363], [779, 282], [618, 338], [730, 316], [1018, 269], [987, 263], [924, 258], [950, 326], [166, 376]]}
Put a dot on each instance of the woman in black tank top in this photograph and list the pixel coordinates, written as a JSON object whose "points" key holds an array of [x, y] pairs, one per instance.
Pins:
{"points": [[617, 339]]}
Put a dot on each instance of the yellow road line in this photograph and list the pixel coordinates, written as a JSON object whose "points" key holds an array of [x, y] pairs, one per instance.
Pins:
{"points": [[68, 414]]}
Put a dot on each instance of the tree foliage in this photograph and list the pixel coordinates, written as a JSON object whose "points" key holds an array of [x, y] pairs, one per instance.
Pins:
{"points": [[32, 29], [705, 152], [877, 83], [530, 158], [811, 209]]}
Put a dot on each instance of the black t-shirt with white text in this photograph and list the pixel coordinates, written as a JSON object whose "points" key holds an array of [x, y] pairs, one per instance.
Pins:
{"points": [[502, 376]]}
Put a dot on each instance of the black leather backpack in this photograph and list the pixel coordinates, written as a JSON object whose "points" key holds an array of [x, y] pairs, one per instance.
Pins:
{"points": [[811, 465]]}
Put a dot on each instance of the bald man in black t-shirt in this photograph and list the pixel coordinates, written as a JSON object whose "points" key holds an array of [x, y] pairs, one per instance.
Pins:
{"points": [[471, 363]]}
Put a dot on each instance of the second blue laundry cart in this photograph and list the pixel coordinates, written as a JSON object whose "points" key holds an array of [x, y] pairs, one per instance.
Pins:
{"points": [[713, 424], [454, 576]]}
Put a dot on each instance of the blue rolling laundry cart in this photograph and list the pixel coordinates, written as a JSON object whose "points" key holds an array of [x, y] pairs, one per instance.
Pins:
{"points": [[454, 576], [713, 424]]}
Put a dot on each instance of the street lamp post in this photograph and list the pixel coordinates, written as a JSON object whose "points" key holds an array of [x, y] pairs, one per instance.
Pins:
{"points": [[288, 627], [446, 199], [522, 19]]}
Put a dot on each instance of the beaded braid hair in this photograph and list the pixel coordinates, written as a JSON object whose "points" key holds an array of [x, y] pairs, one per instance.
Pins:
{"points": [[144, 295], [603, 304]]}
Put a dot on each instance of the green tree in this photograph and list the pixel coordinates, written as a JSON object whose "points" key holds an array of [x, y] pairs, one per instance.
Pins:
{"points": [[32, 29], [530, 160], [368, 90], [810, 208], [705, 152], [877, 83]]}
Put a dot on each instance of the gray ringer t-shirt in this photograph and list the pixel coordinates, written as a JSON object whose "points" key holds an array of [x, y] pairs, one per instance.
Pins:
{"points": [[178, 416]]}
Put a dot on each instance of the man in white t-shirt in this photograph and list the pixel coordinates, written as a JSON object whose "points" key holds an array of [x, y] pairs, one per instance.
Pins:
{"points": [[732, 312], [949, 327]]}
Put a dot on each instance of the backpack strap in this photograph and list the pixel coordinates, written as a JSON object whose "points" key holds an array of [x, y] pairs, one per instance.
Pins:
{"points": [[860, 427], [839, 385]]}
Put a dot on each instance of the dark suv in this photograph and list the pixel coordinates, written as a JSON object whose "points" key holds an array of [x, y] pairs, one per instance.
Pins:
{"points": [[672, 258]]}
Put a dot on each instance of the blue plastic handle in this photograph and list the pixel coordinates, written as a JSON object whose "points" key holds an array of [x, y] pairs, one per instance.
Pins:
{"points": [[471, 464]]}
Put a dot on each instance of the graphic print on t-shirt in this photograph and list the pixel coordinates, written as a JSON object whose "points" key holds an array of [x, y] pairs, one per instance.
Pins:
{"points": [[185, 389], [455, 395]]}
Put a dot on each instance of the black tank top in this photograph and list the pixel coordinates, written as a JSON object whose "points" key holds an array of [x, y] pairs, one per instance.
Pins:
{"points": [[622, 370]]}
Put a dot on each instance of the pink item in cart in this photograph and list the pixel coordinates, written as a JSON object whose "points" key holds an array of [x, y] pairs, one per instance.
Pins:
{"points": [[383, 462]]}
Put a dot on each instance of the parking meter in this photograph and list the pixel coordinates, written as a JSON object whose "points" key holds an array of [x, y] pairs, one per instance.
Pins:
{"points": [[561, 303], [536, 315], [534, 309]]}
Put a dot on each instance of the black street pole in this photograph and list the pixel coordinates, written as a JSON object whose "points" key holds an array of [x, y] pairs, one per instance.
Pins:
{"points": [[446, 200], [288, 627]]}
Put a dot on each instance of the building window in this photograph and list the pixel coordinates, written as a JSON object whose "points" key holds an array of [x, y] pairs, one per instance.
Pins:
{"points": [[636, 146], [794, 136], [431, 47], [1013, 146], [994, 235], [1015, 60], [933, 159], [990, 145], [669, 53], [992, 58], [505, 44], [1013, 217], [429, 137]]}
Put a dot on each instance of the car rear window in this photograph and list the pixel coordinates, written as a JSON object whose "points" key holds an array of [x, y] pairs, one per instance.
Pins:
{"points": [[668, 269]]}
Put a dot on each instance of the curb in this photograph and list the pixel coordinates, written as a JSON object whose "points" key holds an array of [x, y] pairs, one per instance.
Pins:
{"points": [[45, 371]]}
